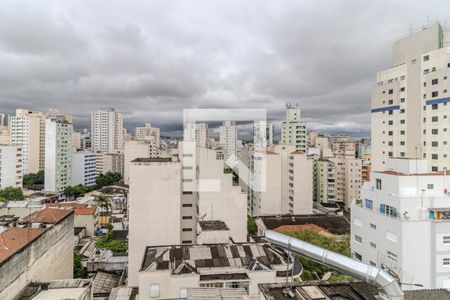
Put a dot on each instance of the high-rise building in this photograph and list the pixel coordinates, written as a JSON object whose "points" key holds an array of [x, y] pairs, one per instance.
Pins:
{"points": [[10, 167], [58, 153], [198, 133], [283, 182], [109, 162], [263, 136], [401, 223], [137, 149], [5, 136], [325, 181], [293, 130], [28, 132], [76, 140], [228, 137], [106, 131], [83, 168], [409, 102], [4, 120], [148, 133]]}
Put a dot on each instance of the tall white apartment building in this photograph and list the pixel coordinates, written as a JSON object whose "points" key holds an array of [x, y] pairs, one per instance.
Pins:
{"points": [[170, 198], [106, 131], [409, 102], [58, 153], [402, 223], [293, 130], [83, 168], [10, 167], [325, 181], [198, 133], [263, 136], [28, 132], [228, 136], [287, 185]]}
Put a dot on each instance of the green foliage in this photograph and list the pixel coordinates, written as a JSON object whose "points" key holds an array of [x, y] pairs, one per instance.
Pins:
{"points": [[103, 202], [33, 178], [251, 226], [11, 193], [110, 178], [78, 270], [76, 190], [106, 242], [337, 244]]}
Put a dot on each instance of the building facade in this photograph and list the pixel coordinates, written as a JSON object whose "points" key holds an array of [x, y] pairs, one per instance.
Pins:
{"points": [[11, 173], [228, 137], [106, 131], [148, 133], [58, 154], [293, 130], [83, 168], [401, 223]]}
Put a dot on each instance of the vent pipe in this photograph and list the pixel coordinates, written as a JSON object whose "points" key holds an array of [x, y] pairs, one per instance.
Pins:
{"points": [[388, 285]]}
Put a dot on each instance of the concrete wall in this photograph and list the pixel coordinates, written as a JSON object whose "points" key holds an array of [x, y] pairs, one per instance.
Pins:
{"points": [[50, 257]]}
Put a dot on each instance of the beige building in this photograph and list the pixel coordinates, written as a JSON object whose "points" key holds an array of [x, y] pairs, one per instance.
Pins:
{"points": [[148, 133], [137, 149], [109, 162], [283, 181], [28, 131], [325, 181], [42, 252], [10, 167], [293, 130], [5, 136], [409, 101], [168, 272], [76, 140], [198, 133], [228, 138]]}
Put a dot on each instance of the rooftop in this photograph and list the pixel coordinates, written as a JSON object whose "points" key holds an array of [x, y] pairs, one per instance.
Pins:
{"points": [[153, 159], [47, 216], [14, 239], [390, 172], [75, 289], [334, 224], [213, 225], [104, 282], [69, 205], [7, 219], [85, 211], [187, 259]]}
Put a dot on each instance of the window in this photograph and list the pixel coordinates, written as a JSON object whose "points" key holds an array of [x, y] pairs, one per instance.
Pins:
{"points": [[434, 81], [434, 168], [434, 119], [183, 293], [187, 229], [446, 239], [391, 92], [402, 132], [357, 256], [434, 94], [434, 131], [187, 154], [369, 203], [187, 217], [434, 144], [392, 256], [373, 245], [446, 261], [434, 156], [402, 89], [187, 192], [402, 121], [358, 239], [373, 264], [187, 205], [378, 183], [402, 99], [426, 58], [186, 242], [388, 210], [154, 290], [391, 122], [434, 106], [373, 226]]}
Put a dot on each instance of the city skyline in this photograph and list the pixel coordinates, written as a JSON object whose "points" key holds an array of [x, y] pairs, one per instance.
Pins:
{"points": [[239, 59]]}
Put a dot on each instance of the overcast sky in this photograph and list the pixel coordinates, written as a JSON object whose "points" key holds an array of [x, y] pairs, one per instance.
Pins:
{"points": [[152, 59]]}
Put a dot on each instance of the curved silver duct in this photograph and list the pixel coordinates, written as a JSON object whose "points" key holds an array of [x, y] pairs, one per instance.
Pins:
{"points": [[372, 275]]}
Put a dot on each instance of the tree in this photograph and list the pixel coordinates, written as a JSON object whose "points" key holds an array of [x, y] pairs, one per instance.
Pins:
{"points": [[107, 242], [110, 178], [311, 269], [76, 191], [103, 203], [251, 226], [78, 270], [11, 193], [33, 178]]}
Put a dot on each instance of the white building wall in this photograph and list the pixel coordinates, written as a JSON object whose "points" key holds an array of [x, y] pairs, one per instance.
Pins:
{"points": [[10, 166]]}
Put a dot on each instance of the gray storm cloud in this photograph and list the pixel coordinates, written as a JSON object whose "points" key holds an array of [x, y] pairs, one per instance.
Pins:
{"points": [[152, 59]]}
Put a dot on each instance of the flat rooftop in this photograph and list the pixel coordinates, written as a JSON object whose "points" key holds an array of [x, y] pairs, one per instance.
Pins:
{"points": [[187, 259], [351, 290], [153, 159], [213, 225], [59, 289], [334, 224]]}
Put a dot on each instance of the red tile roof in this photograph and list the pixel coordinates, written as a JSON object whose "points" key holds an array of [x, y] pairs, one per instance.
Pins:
{"points": [[14, 239], [47, 216], [85, 211], [71, 205], [268, 152], [297, 152]]}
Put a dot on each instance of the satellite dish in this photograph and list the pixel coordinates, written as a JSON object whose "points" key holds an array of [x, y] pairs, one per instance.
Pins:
{"points": [[326, 276]]}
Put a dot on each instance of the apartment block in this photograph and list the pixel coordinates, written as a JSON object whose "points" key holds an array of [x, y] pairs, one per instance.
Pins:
{"points": [[137, 149], [4, 120], [401, 223], [283, 181], [5, 136], [58, 153], [106, 131], [409, 102], [28, 132], [228, 137], [325, 181], [83, 168], [263, 136], [109, 162], [293, 130], [10, 167], [198, 133], [148, 133]]}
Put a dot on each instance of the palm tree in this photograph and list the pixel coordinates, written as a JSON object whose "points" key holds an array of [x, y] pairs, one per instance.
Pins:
{"points": [[103, 203]]}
